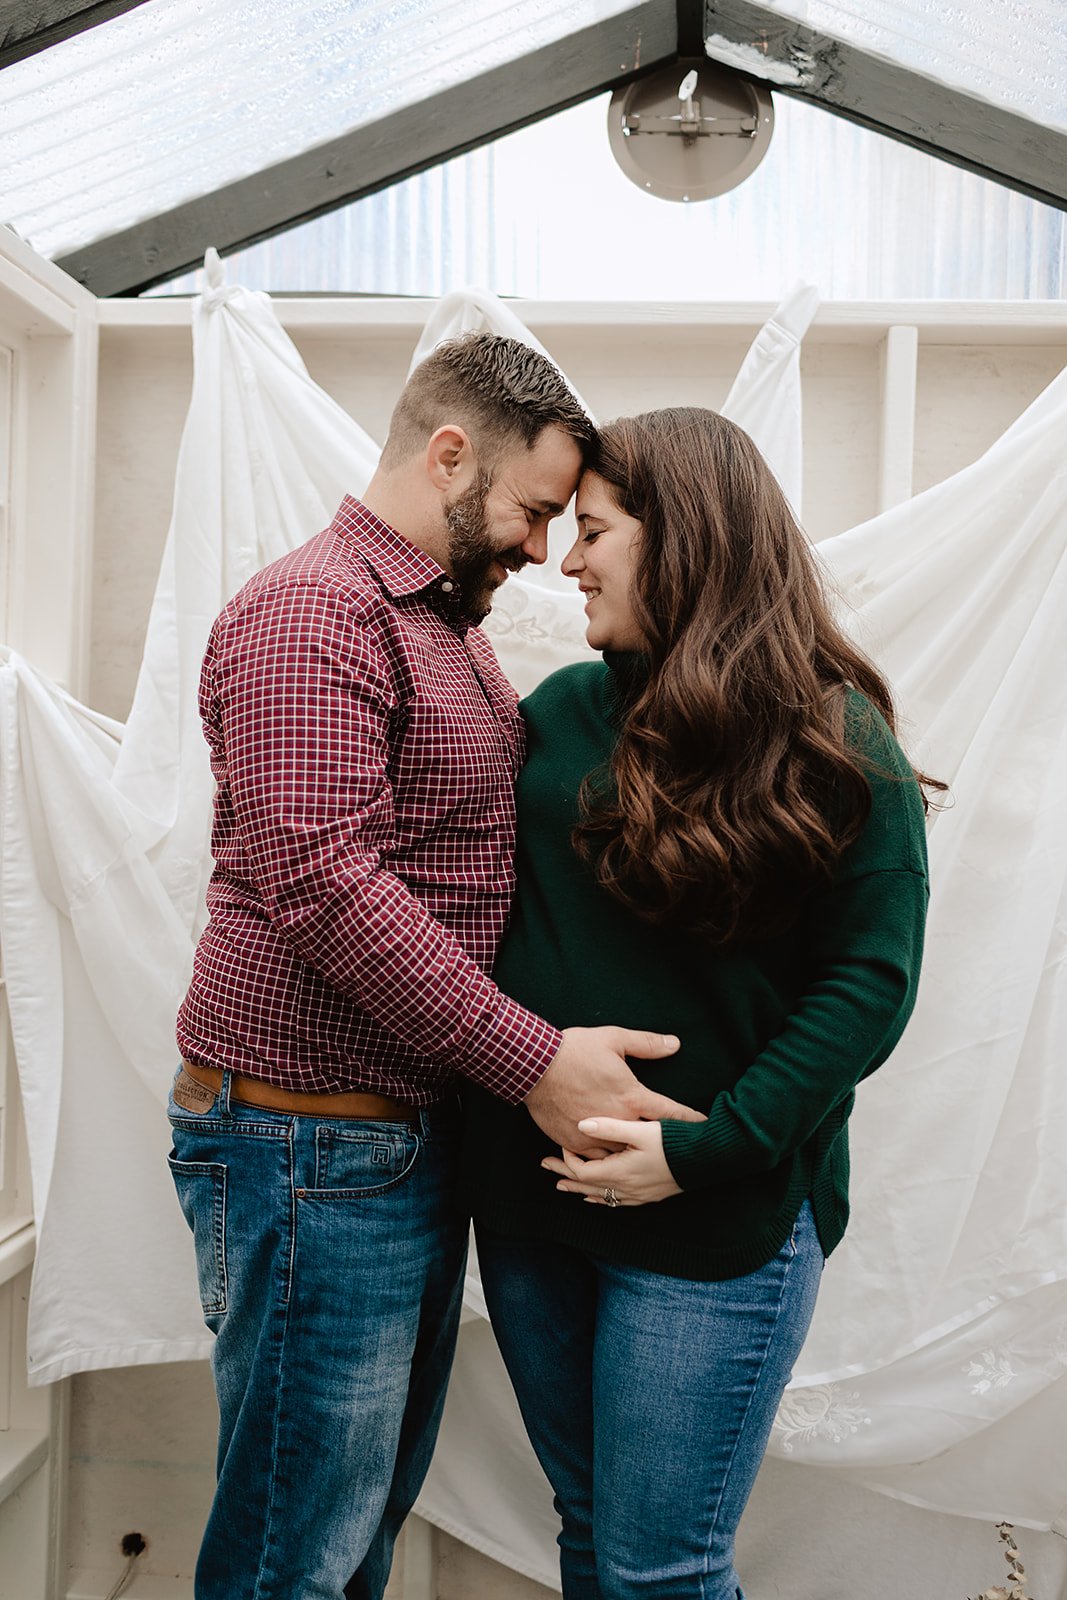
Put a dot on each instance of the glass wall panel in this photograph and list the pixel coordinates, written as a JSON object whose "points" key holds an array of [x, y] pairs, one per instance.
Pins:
{"points": [[546, 213]]}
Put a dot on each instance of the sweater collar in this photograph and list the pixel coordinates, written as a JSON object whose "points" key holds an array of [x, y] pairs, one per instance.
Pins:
{"points": [[628, 675], [630, 667]]}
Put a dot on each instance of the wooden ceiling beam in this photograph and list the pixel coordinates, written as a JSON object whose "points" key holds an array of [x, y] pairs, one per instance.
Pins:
{"points": [[890, 99], [381, 153], [27, 26]]}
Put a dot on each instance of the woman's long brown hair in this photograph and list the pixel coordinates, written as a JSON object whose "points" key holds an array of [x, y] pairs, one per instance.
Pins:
{"points": [[732, 788]]}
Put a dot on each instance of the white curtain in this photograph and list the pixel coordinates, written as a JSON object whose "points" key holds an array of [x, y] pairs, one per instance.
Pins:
{"points": [[937, 1364], [935, 1368], [104, 855]]}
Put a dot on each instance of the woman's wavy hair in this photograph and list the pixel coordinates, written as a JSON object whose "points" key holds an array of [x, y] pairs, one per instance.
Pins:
{"points": [[732, 790]]}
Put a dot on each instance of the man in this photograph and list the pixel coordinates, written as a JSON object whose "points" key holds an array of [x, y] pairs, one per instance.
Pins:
{"points": [[364, 744]]}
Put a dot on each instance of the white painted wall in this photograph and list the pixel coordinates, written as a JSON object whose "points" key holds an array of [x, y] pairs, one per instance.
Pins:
{"points": [[141, 1442], [47, 423]]}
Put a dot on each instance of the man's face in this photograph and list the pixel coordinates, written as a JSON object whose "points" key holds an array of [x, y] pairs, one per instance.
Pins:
{"points": [[497, 525]]}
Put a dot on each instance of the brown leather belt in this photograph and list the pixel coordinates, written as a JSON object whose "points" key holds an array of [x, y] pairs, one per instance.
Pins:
{"points": [[269, 1097]]}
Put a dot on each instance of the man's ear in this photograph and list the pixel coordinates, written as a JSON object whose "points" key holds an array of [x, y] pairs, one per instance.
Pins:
{"points": [[450, 460]]}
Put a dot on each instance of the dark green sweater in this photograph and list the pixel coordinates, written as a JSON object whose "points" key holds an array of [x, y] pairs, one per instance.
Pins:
{"points": [[775, 1035]]}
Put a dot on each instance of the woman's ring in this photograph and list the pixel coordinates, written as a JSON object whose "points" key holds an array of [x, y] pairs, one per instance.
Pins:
{"points": [[611, 1198]]}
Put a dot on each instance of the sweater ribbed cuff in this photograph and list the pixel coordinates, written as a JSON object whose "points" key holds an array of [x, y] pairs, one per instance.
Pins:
{"points": [[703, 1153]]}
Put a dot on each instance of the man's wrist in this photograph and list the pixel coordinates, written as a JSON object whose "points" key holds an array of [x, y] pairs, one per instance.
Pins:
{"points": [[523, 1047]]}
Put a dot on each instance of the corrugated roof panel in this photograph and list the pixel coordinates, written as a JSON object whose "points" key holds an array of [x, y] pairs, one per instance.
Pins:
{"points": [[175, 99]]}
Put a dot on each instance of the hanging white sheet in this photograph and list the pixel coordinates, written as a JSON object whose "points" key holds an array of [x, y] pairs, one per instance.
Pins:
{"points": [[936, 1367], [959, 590], [94, 959], [105, 849], [941, 1332], [265, 459], [105, 854]]}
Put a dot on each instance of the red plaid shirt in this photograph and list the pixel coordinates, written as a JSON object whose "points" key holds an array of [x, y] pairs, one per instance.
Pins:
{"points": [[365, 744]]}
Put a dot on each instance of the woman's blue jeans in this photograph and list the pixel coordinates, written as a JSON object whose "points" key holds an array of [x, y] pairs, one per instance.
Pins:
{"points": [[330, 1255], [649, 1400]]}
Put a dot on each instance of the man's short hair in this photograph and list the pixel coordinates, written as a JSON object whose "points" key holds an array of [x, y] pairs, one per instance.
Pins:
{"points": [[498, 390]]}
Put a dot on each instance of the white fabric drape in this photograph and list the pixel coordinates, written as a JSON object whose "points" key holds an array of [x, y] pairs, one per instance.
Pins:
{"points": [[104, 848], [94, 958], [265, 459], [941, 1332], [935, 1368], [105, 854]]}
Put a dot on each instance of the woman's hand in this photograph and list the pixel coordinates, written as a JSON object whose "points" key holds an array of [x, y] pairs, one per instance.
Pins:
{"points": [[636, 1174]]}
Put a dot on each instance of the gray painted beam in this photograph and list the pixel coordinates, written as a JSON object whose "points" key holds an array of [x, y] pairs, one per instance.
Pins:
{"points": [[918, 111], [381, 153], [27, 26]]}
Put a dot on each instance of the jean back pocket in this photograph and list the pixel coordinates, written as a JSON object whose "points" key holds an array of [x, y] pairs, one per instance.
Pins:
{"points": [[201, 1187]]}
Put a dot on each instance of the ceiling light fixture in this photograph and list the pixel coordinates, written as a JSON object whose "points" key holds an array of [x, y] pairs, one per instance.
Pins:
{"points": [[691, 130]]}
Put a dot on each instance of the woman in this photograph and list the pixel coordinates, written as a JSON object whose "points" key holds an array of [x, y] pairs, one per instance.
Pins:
{"points": [[719, 837]]}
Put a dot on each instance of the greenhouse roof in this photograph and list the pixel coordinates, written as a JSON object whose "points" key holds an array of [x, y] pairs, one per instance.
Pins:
{"points": [[137, 132]]}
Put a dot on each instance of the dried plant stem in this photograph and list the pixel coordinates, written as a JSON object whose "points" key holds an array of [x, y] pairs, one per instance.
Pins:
{"points": [[1016, 1570]]}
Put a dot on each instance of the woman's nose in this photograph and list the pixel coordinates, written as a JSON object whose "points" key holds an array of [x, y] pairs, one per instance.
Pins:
{"points": [[572, 562]]}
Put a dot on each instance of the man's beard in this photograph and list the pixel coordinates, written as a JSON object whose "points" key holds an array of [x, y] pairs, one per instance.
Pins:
{"points": [[472, 552]]}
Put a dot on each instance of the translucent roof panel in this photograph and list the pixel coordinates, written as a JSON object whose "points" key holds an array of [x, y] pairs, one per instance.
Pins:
{"points": [[177, 98], [1012, 53]]}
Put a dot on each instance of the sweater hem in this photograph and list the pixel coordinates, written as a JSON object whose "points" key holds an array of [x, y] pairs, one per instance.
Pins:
{"points": [[646, 1252]]}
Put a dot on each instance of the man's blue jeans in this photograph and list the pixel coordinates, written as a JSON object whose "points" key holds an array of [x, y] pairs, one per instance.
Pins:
{"points": [[649, 1400], [330, 1255]]}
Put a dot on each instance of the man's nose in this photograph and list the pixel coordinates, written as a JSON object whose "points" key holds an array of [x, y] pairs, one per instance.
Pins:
{"points": [[535, 546]]}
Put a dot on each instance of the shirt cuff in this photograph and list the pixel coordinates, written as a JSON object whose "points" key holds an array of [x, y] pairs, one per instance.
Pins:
{"points": [[511, 1060]]}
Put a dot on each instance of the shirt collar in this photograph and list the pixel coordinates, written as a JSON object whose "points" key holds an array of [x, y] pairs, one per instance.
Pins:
{"points": [[401, 567]]}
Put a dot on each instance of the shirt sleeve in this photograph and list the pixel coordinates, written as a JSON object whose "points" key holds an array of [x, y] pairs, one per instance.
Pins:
{"points": [[865, 975], [306, 699]]}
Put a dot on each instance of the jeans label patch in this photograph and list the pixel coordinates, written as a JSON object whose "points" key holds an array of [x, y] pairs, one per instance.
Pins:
{"points": [[193, 1096], [381, 1155]]}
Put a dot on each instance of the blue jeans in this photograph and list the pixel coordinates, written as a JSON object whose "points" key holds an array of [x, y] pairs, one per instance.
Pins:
{"points": [[330, 1255], [649, 1400]]}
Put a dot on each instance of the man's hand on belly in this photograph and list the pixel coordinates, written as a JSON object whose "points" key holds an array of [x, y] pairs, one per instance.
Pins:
{"points": [[589, 1076]]}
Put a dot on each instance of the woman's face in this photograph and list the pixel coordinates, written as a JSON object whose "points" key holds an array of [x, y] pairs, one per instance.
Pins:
{"points": [[602, 560]]}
